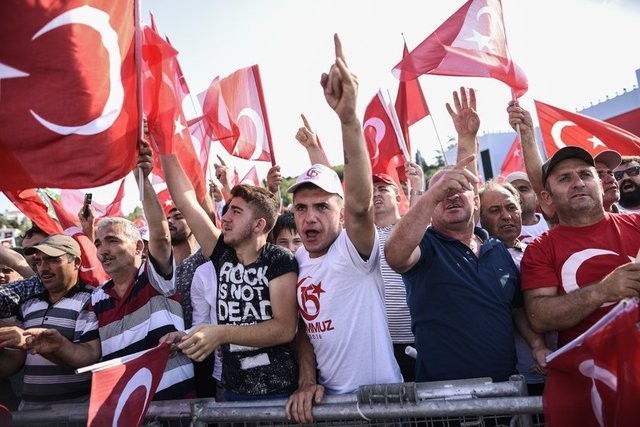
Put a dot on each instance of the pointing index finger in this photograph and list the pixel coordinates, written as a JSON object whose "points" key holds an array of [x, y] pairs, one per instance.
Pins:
{"points": [[338, 46], [306, 123]]}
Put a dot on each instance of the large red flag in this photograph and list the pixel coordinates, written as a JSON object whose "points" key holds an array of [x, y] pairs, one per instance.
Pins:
{"points": [[383, 143], [121, 393], [242, 94], [514, 160], [410, 103], [33, 207], [68, 111], [560, 128], [594, 381], [472, 42]]}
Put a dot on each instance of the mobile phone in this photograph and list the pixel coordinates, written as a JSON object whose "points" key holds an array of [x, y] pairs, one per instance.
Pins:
{"points": [[85, 207]]}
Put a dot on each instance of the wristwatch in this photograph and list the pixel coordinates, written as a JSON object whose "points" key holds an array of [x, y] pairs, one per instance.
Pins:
{"points": [[415, 192]]}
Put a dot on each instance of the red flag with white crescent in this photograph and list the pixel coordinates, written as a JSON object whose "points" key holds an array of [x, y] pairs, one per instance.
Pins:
{"points": [[242, 94], [594, 381], [121, 394], [68, 111], [472, 42], [561, 128]]}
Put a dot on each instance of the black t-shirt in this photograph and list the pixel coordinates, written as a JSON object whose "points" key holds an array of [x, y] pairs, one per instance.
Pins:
{"points": [[244, 299]]}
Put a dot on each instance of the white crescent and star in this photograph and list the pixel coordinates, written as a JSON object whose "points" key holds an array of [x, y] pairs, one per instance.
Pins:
{"points": [[381, 129], [573, 263], [99, 21], [255, 118], [142, 378], [556, 134]]}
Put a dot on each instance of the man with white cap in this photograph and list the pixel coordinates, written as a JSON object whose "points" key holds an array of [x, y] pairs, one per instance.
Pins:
{"points": [[533, 223], [575, 273], [340, 291]]}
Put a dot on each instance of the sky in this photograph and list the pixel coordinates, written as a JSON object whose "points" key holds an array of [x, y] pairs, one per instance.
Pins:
{"points": [[574, 52]]}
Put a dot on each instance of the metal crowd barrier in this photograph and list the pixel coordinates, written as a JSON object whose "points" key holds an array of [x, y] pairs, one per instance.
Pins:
{"points": [[463, 403]]}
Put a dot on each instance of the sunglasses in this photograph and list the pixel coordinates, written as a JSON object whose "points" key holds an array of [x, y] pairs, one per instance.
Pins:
{"points": [[632, 171]]}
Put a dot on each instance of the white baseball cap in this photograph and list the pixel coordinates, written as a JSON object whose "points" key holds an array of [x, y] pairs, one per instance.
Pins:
{"points": [[515, 176], [320, 176]]}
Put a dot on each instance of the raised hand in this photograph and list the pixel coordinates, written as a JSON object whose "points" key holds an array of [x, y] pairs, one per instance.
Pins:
{"points": [[464, 116], [305, 136]]}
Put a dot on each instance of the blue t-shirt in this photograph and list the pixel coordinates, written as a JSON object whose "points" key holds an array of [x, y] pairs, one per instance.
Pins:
{"points": [[461, 309]]}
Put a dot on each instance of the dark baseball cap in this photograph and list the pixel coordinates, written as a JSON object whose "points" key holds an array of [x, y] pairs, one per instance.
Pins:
{"points": [[562, 154]]}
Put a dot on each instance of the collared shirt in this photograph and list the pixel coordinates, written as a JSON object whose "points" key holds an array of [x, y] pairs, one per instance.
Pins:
{"points": [[45, 381]]}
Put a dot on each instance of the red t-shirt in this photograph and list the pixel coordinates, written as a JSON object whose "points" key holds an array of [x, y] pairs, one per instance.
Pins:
{"points": [[574, 257]]}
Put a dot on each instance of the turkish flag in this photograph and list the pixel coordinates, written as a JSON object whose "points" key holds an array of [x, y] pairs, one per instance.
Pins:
{"points": [[251, 177], [513, 161], [595, 379], [120, 394], [164, 89], [33, 207], [383, 143], [560, 128], [216, 120], [244, 100], [68, 111], [472, 42], [410, 103], [72, 201]]}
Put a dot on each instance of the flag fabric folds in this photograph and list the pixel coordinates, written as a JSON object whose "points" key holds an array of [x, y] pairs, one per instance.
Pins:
{"points": [[164, 89], [384, 142], [560, 128], [594, 381], [514, 160], [410, 104], [472, 42], [33, 207], [243, 129], [121, 392], [68, 112]]}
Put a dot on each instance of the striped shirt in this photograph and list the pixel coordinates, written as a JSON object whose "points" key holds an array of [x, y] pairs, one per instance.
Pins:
{"points": [[395, 296], [45, 381], [148, 310]]}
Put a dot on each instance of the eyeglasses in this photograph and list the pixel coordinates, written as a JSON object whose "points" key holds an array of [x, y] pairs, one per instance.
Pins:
{"points": [[632, 171]]}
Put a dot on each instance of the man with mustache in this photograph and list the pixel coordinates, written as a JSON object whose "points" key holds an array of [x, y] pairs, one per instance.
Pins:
{"points": [[462, 285], [575, 273], [627, 173]]}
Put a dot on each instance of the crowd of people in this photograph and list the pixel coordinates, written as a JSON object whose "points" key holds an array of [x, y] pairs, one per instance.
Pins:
{"points": [[332, 292]]}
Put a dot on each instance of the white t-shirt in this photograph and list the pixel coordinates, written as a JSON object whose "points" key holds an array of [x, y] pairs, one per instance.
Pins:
{"points": [[204, 292], [530, 232], [341, 300]]}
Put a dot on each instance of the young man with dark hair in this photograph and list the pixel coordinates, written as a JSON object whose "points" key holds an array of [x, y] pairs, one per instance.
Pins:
{"points": [[256, 307]]}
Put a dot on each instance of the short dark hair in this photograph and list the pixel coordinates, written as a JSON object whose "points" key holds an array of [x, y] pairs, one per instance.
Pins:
{"points": [[34, 230], [285, 221], [262, 200]]}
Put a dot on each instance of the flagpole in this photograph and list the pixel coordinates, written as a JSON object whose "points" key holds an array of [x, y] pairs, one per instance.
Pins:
{"points": [[138, 57]]}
